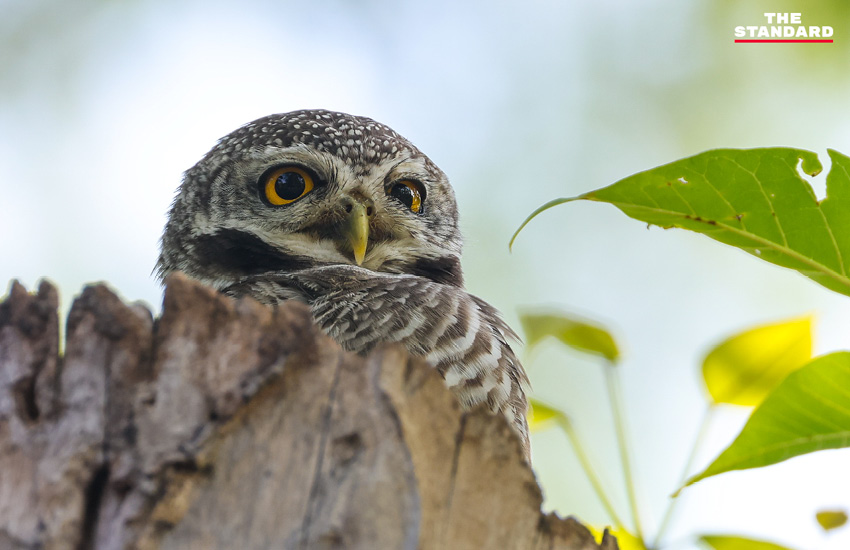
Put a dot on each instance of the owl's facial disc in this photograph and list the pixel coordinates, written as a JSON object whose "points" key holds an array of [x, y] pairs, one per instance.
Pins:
{"points": [[308, 189], [343, 210]]}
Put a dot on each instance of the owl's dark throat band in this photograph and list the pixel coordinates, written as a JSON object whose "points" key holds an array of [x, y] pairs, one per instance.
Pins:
{"points": [[235, 252]]}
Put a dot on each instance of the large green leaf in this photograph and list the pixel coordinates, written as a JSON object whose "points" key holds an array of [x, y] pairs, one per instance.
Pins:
{"points": [[809, 411], [745, 368], [573, 332], [726, 542], [753, 199]]}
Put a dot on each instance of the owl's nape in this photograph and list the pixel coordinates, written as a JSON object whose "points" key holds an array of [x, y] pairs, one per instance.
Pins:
{"points": [[344, 214]]}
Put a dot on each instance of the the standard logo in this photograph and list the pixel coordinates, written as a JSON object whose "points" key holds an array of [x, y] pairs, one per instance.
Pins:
{"points": [[783, 27]]}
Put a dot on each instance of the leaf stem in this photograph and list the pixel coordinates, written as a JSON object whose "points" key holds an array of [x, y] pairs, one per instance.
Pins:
{"points": [[689, 464], [615, 395], [534, 214], [567, 426]]}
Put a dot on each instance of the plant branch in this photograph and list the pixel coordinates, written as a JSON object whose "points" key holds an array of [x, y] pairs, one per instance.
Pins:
{"points": [[671, 505], [612, 378], [567, 426]]}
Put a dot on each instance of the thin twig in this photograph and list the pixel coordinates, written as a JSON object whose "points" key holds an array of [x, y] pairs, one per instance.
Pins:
{"points": [[579, 447], [671, 505], [615, 396]]}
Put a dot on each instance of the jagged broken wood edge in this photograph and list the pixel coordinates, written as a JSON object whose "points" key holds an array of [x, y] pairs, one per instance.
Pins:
{"points": [[230, 424]]}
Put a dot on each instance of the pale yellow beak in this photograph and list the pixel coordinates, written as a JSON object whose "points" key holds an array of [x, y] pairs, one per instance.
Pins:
{"points": [[357, 230]]}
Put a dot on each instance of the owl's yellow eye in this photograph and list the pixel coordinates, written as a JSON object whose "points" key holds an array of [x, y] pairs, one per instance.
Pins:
{"points": [[286, 185], [409, 193]]}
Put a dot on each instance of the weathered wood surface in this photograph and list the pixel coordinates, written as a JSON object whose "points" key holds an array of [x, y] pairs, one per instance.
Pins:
{"points": [[226, 424]]}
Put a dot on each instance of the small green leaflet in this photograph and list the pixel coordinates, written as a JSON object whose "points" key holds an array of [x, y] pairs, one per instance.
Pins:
{"points": [[831, 519], [571, 332], [809, 411], [625, 540], [726, 542], [753, 199], [541, 416]]}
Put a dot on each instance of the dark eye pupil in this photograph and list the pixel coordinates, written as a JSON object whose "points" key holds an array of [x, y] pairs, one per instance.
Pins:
{"points": [[402, 193], [289, 186]]}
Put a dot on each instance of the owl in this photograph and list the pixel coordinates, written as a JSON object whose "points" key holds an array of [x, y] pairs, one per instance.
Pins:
{"points": [[342, 213]]}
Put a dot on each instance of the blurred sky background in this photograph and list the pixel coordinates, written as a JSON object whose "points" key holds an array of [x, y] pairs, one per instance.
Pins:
{"points": [[103, 104]]}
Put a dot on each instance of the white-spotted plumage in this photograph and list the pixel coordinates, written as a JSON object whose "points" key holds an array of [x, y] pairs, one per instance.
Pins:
{"points": [[406, 286]]}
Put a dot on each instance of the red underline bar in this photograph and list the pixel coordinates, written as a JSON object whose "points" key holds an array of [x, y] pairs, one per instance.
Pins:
{"points": [[784, 41]]}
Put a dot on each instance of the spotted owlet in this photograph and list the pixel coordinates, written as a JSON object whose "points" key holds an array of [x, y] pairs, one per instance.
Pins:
{"points": [[343, 213]]}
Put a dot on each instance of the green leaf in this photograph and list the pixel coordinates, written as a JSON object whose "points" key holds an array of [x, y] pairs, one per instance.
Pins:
{"points": [[570, 331], [809, 411], [625, 540], [541, 416], [831, 519], [753, 199], [745, 368], [726, 542]]}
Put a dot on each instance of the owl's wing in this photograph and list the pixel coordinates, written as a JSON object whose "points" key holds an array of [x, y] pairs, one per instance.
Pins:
{"points": [[462, 336]]}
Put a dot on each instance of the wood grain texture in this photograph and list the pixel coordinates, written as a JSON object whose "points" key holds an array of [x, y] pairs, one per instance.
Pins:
{"points": [[228, 424]]}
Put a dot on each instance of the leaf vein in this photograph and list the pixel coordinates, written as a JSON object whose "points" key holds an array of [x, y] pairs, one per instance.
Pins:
{"points": [[766, 197], [722, 197], [824, 441], [819, 268]]}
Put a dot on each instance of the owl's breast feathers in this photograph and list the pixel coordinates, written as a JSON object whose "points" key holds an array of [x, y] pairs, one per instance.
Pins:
{"points": [[462, 336]]}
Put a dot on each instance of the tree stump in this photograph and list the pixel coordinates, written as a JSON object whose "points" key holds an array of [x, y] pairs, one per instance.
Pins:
{"points": [[226, 424]]}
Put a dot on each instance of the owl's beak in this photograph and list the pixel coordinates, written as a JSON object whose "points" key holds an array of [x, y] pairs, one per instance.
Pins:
{"points": [[356, 230]]}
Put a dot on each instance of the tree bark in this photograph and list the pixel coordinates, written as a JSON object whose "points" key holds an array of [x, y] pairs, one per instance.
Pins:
{"points": [[228, 424]]}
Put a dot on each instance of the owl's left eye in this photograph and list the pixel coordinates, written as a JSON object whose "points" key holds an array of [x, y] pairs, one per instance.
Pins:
{"points": [[409, 193], [285, 185]]}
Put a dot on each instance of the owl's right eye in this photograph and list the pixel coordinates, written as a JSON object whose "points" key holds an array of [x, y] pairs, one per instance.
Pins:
{"points": [[285, 185]]}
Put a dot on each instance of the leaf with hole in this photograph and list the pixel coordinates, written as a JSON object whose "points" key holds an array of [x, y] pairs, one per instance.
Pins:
{"points": [[753, 199]]}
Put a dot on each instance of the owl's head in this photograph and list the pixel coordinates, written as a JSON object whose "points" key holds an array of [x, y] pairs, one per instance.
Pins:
{"points": [[311, 188]]}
